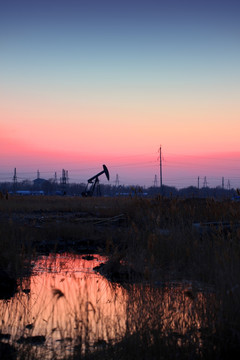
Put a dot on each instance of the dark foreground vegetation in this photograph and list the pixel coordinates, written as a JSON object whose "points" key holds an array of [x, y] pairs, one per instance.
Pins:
{"points": [[151, 243]]}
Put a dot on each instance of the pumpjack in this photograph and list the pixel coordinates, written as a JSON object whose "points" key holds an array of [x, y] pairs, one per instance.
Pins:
{"points": [[93, 183]]}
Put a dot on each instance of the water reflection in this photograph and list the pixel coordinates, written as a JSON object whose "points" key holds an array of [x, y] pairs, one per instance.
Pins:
{"points": [[69, 305]]}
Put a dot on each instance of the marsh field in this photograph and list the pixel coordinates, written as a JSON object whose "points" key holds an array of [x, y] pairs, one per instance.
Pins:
{"points": [[119, 278]]}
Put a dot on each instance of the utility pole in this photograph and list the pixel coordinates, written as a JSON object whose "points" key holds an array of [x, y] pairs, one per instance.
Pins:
{"points": [[160, 166], [55, 177], [198, 179], [222, 182]]}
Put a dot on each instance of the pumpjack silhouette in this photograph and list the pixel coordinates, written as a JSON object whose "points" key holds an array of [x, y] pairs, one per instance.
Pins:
{"points": [[93, 183]]}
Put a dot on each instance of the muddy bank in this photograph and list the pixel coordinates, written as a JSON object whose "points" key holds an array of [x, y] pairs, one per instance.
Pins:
{"points": [[119, 273], [51, 231], [8, 285], [81, 246]]}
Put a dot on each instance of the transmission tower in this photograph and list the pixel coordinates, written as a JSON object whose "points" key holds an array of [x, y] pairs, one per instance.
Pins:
{"points": [[155, 181], [205, 182], [63, 178], [38, 174], [228, 185], [222, 182], [117, 181], [15, 180], [63, 181], [198, 179]]}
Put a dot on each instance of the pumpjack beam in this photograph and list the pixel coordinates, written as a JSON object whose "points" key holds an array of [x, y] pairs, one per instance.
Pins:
{"points": [[94, 181], [105, 170]]}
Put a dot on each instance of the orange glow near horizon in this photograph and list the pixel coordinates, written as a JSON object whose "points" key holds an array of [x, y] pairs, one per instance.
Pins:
{"points": [[49, 136], [115, 128]]}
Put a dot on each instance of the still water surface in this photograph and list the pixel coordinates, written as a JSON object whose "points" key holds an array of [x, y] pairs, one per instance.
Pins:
{"points": [[69, 304]]}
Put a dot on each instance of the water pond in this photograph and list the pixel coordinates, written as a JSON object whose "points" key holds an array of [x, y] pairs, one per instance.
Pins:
{"points": [[65, 307]]}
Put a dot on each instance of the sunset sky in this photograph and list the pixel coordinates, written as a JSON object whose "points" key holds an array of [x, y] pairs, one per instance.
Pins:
{"points": [[91, 82]]}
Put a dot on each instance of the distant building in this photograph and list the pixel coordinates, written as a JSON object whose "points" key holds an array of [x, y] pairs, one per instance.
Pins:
{"points": [[42, 184]]}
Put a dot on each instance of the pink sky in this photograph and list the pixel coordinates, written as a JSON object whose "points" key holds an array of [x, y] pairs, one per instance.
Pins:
{"points": [[106, 84], [126, 138], [131, 166]]}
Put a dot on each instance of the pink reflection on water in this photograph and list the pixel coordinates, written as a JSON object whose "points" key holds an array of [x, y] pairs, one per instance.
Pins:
{"points": [[66, 301], [84, 303]]}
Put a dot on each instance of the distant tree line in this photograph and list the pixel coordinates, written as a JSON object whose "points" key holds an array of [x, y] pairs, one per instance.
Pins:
{"points": [[51, 187]]}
